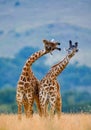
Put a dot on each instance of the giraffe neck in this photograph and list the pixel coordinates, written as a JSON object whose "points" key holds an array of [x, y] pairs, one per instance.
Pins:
{"points": [[33, 58], [58, 68]]}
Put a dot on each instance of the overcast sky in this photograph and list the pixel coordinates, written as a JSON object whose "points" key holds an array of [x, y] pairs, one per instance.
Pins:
{"points": [[19, 16]]}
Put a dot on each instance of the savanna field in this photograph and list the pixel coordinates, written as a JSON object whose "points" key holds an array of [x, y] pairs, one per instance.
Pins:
{"points": [[66, 122]]}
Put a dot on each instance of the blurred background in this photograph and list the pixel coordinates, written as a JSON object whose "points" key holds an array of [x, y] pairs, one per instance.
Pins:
{"points": [[23, 26]]}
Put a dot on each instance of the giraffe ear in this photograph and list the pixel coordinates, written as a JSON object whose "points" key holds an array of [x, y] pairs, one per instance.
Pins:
{"points": [[45, 41]]}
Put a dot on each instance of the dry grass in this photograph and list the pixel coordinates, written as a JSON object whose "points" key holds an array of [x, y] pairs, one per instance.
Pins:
{"points": [[66, 122]]}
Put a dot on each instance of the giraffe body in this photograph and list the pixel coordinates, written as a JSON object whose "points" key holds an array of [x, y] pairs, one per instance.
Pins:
{"points": [[28, 84], [49, 87], [50, 90]]}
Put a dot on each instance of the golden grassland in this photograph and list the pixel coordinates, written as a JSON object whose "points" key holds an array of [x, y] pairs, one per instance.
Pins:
{"points": [[66, 122]]}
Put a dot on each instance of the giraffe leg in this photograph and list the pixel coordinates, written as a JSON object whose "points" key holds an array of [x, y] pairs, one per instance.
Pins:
{"points": [[30, 108], [58, 102], [43, 102], [46, 109], [25, 102], [58, 106], [43, 111], [38, 105], [19, 110], [19, 104], [52, 109], [52, 101], [42, 107]]}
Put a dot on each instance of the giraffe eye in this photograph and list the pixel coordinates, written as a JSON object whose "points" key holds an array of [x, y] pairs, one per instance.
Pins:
{"points": [[48, 48]]}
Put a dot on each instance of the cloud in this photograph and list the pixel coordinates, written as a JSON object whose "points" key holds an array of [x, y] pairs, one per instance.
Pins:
{"points": [[30, 23], [17, 4], [83, 58], [1, 32]]}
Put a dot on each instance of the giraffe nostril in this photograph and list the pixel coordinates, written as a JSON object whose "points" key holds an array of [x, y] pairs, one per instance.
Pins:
{"points": [[48, 48]]}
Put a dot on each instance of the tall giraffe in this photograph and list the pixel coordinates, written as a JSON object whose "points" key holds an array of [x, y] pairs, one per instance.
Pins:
{"points": [[49, 87], [28, 84]]}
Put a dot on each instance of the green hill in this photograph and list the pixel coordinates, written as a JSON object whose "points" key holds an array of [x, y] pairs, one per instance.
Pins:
{"points": [[74, 81], [73, 76]]}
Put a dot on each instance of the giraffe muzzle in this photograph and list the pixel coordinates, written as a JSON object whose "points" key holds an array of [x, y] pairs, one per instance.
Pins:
{"points": [[59, 49]]}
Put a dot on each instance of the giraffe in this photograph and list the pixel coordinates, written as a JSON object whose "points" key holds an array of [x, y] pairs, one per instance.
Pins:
{"points": [[49, 87], [28, 84]]}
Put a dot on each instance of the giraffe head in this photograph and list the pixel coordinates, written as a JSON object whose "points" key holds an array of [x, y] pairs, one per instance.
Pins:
{"points": [[72, 49], [50, 45]]}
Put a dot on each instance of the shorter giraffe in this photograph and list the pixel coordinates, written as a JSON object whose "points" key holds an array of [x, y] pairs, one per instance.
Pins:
{"points": [[28, 84], [49, 87]]}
